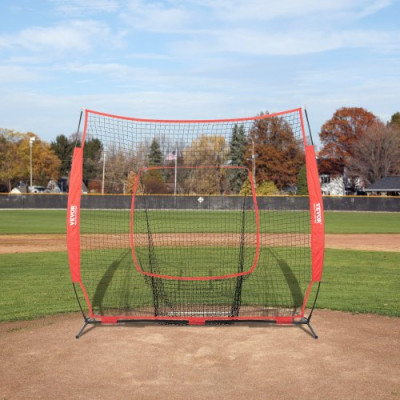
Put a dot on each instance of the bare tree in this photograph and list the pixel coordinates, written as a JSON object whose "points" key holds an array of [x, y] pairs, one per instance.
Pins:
{"points": [[119, 163], [376, 154]]}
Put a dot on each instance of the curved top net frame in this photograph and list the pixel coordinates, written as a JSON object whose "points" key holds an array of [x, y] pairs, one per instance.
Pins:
{"points": [[304, 137]]}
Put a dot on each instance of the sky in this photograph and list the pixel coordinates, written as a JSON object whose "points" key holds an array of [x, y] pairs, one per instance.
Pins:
{"points": [[194, 59]]}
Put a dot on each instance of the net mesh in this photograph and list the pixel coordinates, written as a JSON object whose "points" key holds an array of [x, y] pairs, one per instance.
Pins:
{"points": [[183, 234]]}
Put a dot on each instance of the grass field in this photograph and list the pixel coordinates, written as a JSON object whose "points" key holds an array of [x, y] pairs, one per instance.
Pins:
{"points": [[38, 284], [54, 221]]}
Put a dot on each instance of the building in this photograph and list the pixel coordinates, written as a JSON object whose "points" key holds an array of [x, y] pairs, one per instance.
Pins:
{"points": [[387, 186]]}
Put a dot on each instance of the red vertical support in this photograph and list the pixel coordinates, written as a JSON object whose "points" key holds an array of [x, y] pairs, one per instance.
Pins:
{"points": [[317, 215], [73, 214], [316, 209]]}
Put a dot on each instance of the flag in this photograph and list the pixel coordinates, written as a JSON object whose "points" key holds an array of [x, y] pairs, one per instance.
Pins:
{"points": [[171, 156]]}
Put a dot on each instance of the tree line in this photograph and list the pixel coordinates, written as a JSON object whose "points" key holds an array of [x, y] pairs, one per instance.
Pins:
{"points": [[273, 173], [358, 145], [354, 142]]}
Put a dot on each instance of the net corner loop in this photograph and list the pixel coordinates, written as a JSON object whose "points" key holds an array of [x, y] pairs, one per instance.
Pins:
{"points": [[108, 320], [197, 321]]}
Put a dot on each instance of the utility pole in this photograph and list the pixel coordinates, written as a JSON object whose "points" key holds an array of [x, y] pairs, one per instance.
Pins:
{"points": [[31, 140]]}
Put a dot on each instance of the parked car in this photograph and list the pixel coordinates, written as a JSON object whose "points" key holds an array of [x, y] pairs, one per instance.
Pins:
{"points": [[37, 189]]}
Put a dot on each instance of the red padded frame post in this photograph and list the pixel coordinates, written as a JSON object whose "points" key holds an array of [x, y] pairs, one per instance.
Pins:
{"points": [[317, 215], [316, 211], [73, 215], [74, 208]]}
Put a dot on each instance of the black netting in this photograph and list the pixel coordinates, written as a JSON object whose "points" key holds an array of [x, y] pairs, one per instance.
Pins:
{"points": [[194, 218]]}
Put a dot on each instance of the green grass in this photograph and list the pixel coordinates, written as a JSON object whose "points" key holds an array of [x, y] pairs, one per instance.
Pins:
{"points": [[362, 222], [54, 221], [35, 285], [38, 284], [32, 221], [361, 282]]}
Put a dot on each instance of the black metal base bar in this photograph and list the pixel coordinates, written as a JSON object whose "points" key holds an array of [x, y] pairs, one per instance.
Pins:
{"points": [[88, 321], [314, 335], [92, 321], [306, 321]]}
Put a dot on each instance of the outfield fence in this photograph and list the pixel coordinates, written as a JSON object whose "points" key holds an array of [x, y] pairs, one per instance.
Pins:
{"points": [[96, 201]]}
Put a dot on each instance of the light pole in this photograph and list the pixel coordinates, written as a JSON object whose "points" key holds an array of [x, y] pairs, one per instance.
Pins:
{"points": [[31, 140], [104, 171]]}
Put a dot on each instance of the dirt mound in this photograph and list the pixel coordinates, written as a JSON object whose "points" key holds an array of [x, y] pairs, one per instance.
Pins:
{"points": [[356, 356]]}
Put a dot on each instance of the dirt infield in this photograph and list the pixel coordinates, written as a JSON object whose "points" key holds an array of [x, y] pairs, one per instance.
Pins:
{"points": [[356, 357], [40, 243]]}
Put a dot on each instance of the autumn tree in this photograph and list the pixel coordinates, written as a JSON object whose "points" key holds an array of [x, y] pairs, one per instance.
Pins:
{"points": [[130, 182], [376, 154], [266, 188], [338, 136], [10, 172], [153, 182], [278, 155], [237, 153], [46, 164], [15, 159], [206, 150]]}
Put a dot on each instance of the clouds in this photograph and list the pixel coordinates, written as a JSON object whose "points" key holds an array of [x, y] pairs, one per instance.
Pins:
{"points": [[78, 8], [267, 10], [156, 17], [260, 27], [249, 27], [290, 43], [197, 58], [74, 35]]}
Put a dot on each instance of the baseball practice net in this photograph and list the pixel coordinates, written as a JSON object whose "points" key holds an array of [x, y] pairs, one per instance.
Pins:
{"points": [[185, 237]]}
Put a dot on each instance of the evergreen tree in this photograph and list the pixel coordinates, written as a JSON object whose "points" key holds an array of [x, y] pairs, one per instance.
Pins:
{"points": [[155, 156], [302, 188], [237, 157], [63, 149], [92, 165], [395, 121]]}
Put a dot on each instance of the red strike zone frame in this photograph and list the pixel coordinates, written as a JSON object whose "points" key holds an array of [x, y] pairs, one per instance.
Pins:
{"points": [[196, 278], [316, 216]]}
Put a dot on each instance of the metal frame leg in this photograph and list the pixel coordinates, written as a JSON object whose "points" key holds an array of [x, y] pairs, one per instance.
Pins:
{"points": [[88, 321], [314, 335]]}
